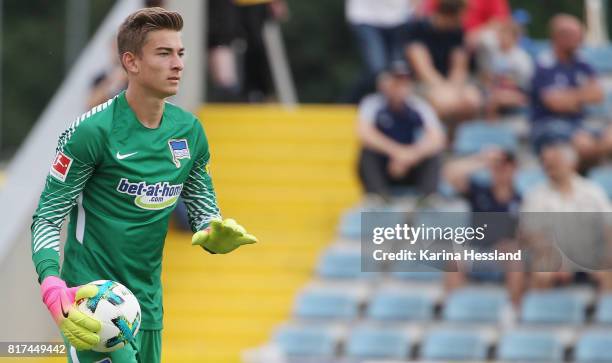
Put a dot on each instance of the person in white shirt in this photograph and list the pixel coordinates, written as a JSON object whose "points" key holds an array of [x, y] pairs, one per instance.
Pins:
{"points": [[566, 221]]}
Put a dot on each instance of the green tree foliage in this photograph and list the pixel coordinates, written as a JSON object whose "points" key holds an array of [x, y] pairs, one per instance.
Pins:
{"points": [[33, 61]]}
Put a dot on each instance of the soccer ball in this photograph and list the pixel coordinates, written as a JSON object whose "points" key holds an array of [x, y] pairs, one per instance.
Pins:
{"points": [[117, 309]]}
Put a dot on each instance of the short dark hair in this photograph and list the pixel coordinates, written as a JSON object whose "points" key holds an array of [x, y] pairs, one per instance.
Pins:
{"points": [[133, 32], [450, 7]]}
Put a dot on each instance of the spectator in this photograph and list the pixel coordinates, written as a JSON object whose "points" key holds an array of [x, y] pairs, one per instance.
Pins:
{"points": [[109, 82], [222, 31], [481, 17], [496, 204], [507, 70], [253, 15], [562, 86], [393, 153], [437, 54], [555, 212], [377, 26]]}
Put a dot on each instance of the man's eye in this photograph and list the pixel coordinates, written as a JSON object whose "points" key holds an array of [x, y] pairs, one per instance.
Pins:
{"points": [[164, 53]]}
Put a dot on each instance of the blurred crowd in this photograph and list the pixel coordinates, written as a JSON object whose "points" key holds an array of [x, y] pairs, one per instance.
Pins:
{"points": [[435, 66]]}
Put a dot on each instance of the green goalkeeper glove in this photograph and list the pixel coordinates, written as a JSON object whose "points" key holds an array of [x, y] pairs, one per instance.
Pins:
{"points": [[222, 237]]}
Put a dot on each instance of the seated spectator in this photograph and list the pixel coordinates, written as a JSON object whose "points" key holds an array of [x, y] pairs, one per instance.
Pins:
{"points": [[507, 70], [378, 27], [562, 86], [393, 151], [495, 203], [439, 59], [555, 219]]}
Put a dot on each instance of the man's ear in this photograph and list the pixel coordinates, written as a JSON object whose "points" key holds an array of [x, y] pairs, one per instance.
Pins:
{"points": [[129, 61]]}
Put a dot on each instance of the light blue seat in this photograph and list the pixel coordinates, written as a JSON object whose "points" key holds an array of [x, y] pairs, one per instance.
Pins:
{"points": [[350, 224], [603, 177], [475, 305], [472, 137], [342, 264], [529, 346], [454, 344], [598, 57], [594, 347], [377, 343], [527, 179], [603, 312], [560, 307], [306, 341], [421, 273], [400, 305], [535, 47], [326, 304]]}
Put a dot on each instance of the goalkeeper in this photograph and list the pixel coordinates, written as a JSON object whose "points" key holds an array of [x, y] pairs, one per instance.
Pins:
{"points": [[119, 170]]}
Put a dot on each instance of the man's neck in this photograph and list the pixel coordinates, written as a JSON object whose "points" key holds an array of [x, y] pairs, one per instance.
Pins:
{"points": [[564, 57], [564, 185], [148, 109]]}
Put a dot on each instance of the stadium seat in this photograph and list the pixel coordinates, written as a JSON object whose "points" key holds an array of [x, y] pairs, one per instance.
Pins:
{"points": [[598, 57], [555, 306], [602, 176], [393, 305], [474, 136], [428, 274], [603, 314], [369, 342], [594, 346], [529, 346], [526, 179], [306, 341], [326, 304], [454, 344], [342, 264], [475, 305], [350, 224], [535, 47]]}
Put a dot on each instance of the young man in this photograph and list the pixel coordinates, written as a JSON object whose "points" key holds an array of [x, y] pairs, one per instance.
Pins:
{"points": [[118, 171], [401, 138], [436, 51]]}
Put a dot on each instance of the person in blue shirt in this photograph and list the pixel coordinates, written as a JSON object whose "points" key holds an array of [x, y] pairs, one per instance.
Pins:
{"points": [[563, 84], [494, 202], [401, 138]]}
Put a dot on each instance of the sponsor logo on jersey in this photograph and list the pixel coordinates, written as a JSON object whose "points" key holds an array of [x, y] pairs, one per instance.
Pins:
{"points": [[61, 166], [179, 150], [151, 196]]}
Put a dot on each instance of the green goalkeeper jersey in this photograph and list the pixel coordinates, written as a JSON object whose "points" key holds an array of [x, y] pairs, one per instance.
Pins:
{"points": [[120, 181]]}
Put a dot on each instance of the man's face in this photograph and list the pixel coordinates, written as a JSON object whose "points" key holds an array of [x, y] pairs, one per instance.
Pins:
{"points": [[398, 88], [567, 36], [502, 171], [160, 64], [555, 162]]}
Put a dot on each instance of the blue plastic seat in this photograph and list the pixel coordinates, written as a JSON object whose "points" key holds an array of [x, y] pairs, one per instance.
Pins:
{"points": [[529, 346], [377, 343], [475, 305], [342, 264], [526, 179], [326, 304], [594, 347], [560, 307], [306, 341], [598, 57], [603, 177], [474, 136], [603, 312], [400, 305], [350, 224], [454, 344]]}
